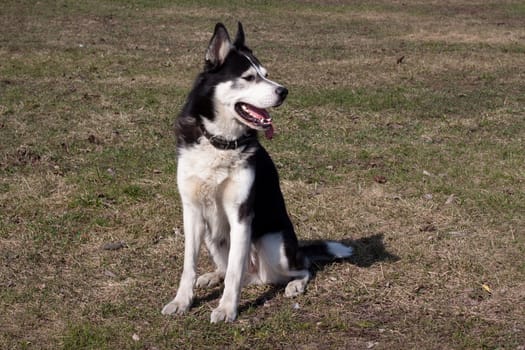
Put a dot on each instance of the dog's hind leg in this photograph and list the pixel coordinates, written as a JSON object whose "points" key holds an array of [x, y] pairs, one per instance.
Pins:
{"points": [[209, 279], [193, 230], [297, 286], [275, 266], [320, 251]]}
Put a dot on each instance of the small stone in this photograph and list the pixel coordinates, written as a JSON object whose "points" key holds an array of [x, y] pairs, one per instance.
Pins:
{"points": [[380, 179], [114, 246], [450, 200], [371, 344], [110, 274]]}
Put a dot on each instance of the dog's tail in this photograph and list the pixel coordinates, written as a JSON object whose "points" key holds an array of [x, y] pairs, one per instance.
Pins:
{"points": [[325, 250]]}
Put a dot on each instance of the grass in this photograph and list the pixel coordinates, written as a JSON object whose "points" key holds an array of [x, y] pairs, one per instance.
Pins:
{"points": [[418, 164]]}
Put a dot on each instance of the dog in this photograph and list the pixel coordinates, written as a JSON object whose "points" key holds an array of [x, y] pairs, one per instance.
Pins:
{"points": [[229, 186]]}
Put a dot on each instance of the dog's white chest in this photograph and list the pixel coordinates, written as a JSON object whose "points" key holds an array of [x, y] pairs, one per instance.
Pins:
{"points": [[204, 172]]}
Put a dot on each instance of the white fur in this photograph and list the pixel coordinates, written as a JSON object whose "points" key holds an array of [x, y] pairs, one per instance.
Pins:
{"points": [[260, 93], [339, 250], [269, 262], [213, 184]]}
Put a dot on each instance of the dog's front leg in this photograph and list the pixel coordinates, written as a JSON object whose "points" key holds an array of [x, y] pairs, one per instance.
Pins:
{"points": [[193, 230], [236, 198], [240, 235]]}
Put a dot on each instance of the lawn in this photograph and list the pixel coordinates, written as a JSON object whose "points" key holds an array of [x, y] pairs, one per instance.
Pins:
{"points": [[403, 135]]}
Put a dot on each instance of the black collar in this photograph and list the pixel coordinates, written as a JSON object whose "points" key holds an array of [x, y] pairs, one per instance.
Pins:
{"points": [[223, 144]]}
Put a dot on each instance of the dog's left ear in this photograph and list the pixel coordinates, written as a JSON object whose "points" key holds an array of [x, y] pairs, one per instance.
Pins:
{"points": [[239, 38], [218, 48]]}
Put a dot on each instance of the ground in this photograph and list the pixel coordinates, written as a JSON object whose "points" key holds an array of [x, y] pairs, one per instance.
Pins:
{"points": [[403, 135]]}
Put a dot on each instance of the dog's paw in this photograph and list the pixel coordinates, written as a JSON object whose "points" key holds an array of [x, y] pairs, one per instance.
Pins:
{"points": [[294, 288], [222, 314], [208, 280], [176, 307]]}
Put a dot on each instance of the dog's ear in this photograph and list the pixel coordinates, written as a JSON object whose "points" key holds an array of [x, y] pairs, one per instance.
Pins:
{"points": [[219, 47], [239, 38]]}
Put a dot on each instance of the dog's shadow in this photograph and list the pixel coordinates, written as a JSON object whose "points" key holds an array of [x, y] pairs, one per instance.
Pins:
{"points": [[367, 251]]}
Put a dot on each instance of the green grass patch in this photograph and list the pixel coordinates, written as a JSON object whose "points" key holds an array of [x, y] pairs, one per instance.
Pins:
{"points": [[87, 336]]}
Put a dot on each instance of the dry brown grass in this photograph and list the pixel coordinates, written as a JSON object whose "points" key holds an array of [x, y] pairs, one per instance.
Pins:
{"points": [[419, 165]]}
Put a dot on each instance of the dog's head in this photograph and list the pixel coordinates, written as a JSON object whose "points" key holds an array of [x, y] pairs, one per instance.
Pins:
{"points": [[242, 89]]}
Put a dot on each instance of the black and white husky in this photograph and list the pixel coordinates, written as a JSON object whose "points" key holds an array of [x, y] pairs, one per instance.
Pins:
{"points": [[229, 185]]}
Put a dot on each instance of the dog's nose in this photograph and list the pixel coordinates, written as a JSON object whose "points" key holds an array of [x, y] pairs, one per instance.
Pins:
{"points": [[282, 92]]}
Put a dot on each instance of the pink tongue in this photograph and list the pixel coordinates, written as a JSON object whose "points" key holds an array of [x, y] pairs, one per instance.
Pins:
{"points": [[262, 114], [258, 112]]}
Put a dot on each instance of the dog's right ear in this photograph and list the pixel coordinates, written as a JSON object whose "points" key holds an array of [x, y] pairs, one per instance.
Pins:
{"points": [[218, 48]]}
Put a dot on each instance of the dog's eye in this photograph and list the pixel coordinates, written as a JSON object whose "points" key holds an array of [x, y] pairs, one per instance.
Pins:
{"points": [[249, 78]]}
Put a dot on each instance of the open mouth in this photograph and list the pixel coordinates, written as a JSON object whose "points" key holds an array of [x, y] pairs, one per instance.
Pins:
{"points": [[256, 118]]}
